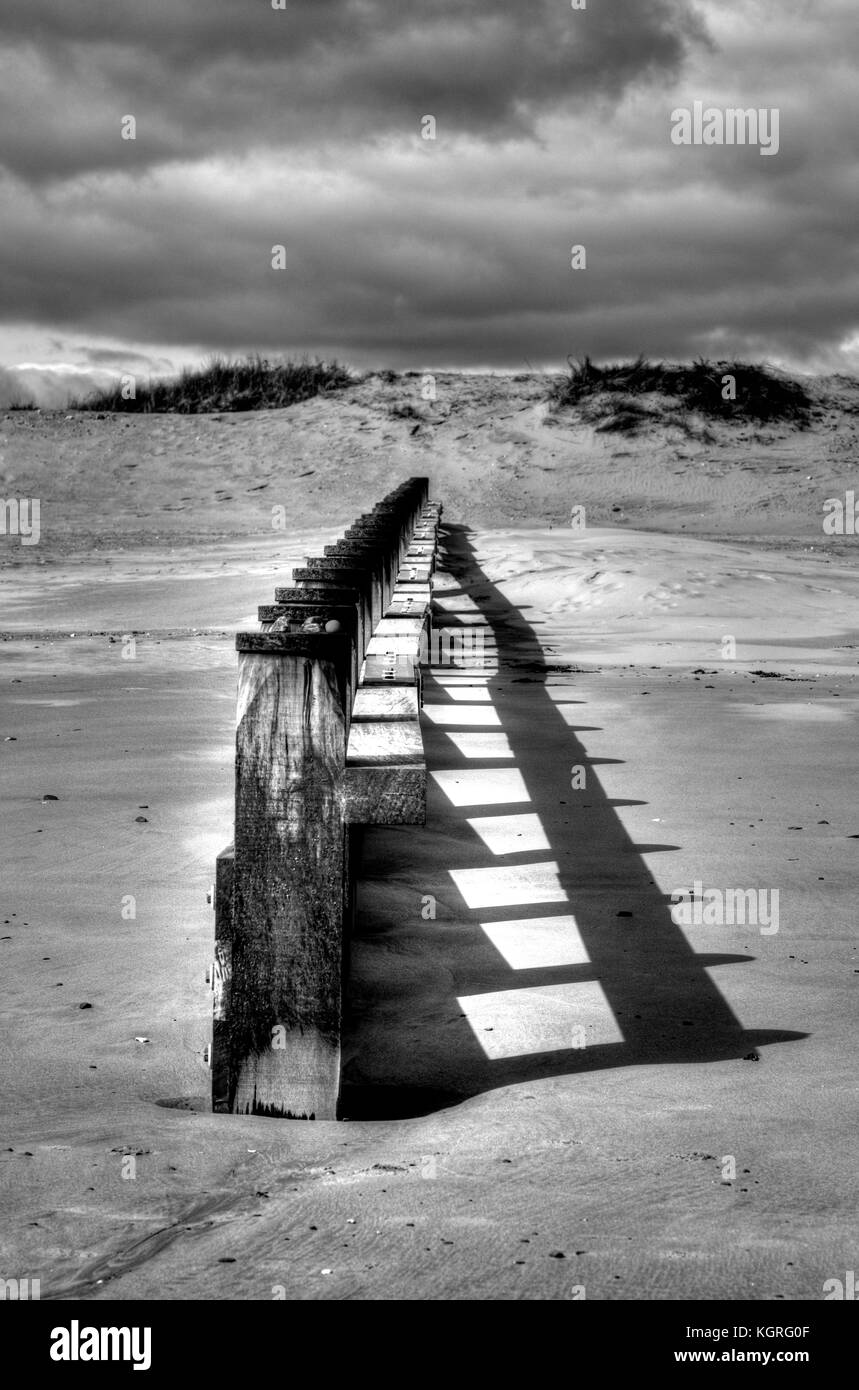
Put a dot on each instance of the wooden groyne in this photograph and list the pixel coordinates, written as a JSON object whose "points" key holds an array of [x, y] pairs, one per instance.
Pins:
{"points": [[328, 740]]}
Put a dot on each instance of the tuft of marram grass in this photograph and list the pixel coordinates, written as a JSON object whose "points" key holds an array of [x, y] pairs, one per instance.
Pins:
{"points": [[760, 394], [224, 384]]}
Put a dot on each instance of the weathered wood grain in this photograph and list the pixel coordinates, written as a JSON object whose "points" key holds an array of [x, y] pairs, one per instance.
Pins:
{"points": [[401, 645], [316, 593], [328, 570], [386, 795], [318, 617], [381, 560], [290, 867], [416, 573], [408, 626], [342, 571], [385, 702], [385, 670], [407, 606], [317, 756], [408, 589], [385, 741], [393, 542], [327, 589]]}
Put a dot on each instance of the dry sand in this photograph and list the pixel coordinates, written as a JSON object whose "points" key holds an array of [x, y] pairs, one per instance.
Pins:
{"points": [[481, 1145]]}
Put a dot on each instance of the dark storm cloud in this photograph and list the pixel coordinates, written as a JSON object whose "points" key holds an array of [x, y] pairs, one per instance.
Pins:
{"points": [[213, 78], [301, 127], [392, 263]]}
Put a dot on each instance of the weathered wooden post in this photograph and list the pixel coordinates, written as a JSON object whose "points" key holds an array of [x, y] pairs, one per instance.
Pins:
{"points": [[315, 615], [284, 891], [317, 594], [358, 590], [374, 555], [329, 569], [290, 873]]}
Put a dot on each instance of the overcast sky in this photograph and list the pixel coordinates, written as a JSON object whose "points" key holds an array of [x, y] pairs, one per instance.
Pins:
{"points": [[302, 126]]}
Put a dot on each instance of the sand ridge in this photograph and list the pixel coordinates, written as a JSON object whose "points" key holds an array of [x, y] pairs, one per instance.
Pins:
{"points": [[491, 445]]}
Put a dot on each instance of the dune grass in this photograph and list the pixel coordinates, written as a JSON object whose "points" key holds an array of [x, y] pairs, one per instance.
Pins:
{"points": [[223, 384], [613, 393]]}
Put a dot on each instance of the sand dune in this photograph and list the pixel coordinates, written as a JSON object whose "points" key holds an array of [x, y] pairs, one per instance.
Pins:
{"points": [[495, 451]]}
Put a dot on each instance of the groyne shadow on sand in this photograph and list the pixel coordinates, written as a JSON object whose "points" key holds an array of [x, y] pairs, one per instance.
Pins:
{"points": [[552, 951]]}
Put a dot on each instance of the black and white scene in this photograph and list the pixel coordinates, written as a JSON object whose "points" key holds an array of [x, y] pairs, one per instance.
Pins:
{"points": [[430, 641]]}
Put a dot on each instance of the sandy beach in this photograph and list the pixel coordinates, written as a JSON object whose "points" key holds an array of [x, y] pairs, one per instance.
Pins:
{"points": [[693, 648]]}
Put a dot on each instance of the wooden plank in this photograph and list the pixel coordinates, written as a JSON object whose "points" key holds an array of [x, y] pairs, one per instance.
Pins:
{"points": [[391, 519], [318, 617], [407, 606], [312, 617], [371, 548], [334, 564], [407, 645], [381, 560], [326, 570], [284, 895], [403, 515], [385, 741], [290, 874], [405, 589], [416, 594], [386, 511], [387, 522], [317, 593], [388, 670], [324, 591], [400, 627], [310, 644], [385, 702], [392, 540], [342, 572], [386, 795], [371, 544]]}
